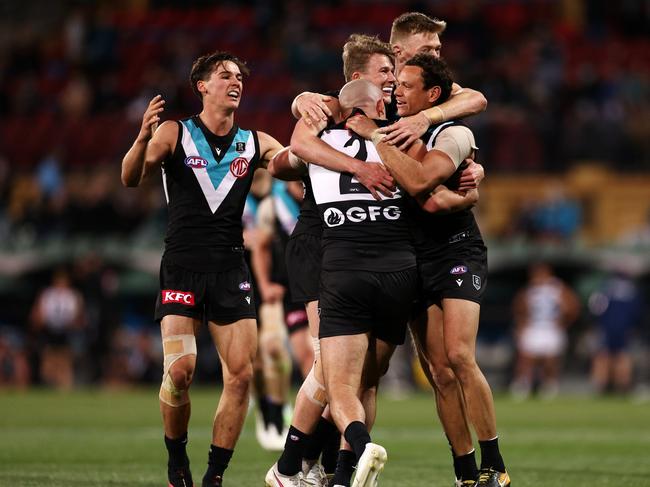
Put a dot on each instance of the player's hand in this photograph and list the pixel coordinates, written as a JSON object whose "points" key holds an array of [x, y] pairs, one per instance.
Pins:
{"points": [[406, 130], [272, 292], [471, 176], [151, 118], [362, 125], [376, 178], [313, 107]]}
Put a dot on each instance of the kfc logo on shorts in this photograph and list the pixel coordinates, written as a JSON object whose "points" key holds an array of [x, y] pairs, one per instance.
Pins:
{"points": [[239, 167], [170, 296], [459, 269], [245, 286], [196, 162]]}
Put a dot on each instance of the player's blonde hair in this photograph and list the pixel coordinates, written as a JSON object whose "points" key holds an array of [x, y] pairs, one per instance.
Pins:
{"points": [[414, 23], [357, 52]]}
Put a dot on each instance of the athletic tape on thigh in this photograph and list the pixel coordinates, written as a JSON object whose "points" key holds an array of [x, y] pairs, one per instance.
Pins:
{"points": [[175, 347], [314, 390], [315, 341]]}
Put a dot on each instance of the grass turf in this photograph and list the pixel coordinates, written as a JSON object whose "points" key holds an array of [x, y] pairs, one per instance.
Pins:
{"points": [[108, 438]]}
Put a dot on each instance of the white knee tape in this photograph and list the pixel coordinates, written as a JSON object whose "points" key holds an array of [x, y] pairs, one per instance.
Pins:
{"points": [[314, 390], [175, 347]]}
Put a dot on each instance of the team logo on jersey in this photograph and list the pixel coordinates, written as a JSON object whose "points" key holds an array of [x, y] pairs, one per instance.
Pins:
{"points": [[356, 214], [239, 167], [179, 297], [459, 269], [245, 286], [476, 280], [333, 217], [195, 162], [240, 147]]}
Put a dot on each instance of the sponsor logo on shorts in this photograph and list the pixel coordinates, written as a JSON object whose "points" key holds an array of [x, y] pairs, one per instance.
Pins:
{"points": [[476, 280], [245, 286], [179, 297], [196, 162], [239, 167], [240, 147], [459, 269], [334, 217]]}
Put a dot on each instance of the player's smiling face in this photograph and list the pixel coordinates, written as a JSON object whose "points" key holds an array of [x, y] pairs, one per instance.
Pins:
{"points": [[225, 85], [410, 93], [380, 72]]}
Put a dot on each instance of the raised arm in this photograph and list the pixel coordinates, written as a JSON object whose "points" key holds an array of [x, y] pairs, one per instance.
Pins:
{"points": [[151, 147], [463, 102], [312, 107]]}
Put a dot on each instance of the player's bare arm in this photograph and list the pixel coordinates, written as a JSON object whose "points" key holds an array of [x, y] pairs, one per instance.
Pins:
{"points": [[444, 200], [151, 146], [269, 147], [261, 259], [463, 102], [306, 145], [287, 166]]}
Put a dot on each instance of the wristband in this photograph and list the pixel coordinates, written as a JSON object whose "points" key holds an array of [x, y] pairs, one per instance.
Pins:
{"points": [[376, 136]]}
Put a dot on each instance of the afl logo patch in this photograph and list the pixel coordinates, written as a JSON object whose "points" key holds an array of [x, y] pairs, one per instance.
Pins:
{"points": [[239, 167], [459, 269], [196, 162], [245, 286]]}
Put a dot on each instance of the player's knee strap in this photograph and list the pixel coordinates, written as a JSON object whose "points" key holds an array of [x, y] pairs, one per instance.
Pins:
{"points": [[314, 390], [174, 348]]}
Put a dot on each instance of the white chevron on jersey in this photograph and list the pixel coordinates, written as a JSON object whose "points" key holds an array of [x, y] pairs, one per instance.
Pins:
{"points": [[325, 183], [214, 196]]}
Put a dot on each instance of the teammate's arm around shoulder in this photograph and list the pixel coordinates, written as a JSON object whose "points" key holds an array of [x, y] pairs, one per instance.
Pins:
{"points": [[151, 147]]}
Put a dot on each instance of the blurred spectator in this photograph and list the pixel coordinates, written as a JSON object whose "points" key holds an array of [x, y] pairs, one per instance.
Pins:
{"points": [[56, 316], [542, 311], [14, 366], [616, 308]]}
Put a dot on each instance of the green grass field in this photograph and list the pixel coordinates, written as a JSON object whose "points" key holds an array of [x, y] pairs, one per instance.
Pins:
{"points": [[104, 438]]}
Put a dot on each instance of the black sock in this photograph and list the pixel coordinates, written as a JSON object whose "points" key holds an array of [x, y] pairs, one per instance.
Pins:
{"points": [[457, 472], [356, 434], [318, 440], [176, 451], [275, 415], [218, 459], [490, 455], [467, 469], [290, 462], [331, 451], [344, 468]]}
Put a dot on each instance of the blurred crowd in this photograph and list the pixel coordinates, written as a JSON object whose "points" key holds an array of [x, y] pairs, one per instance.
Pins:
{"points": [[567, 81]]}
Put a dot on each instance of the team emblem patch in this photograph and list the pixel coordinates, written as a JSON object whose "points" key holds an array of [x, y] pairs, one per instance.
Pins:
{"points": [[196, 162], [240, 147], [333, 217], [476, 280], [239, 167], [459, 269], [179, 297], [245, 286]]}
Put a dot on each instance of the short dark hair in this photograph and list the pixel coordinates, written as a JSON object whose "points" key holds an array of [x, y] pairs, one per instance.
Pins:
{"points": [[435, 72], [357, 52], [414, 23], [203, 67]]}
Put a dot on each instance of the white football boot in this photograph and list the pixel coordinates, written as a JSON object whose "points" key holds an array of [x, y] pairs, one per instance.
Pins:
{"points": [[370, 466]]}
